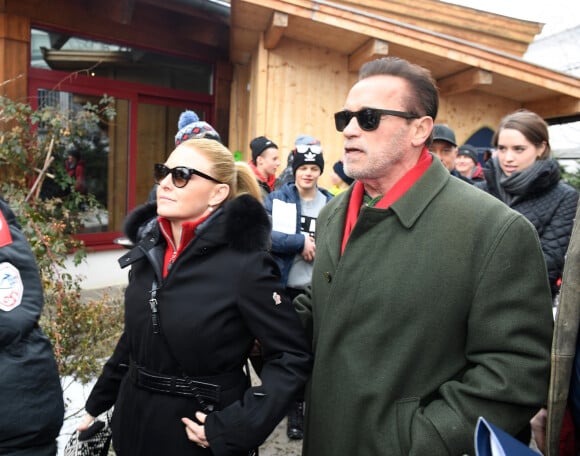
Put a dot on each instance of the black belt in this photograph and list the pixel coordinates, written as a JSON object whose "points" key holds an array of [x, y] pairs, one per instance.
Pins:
{"points": [[207, 394]]}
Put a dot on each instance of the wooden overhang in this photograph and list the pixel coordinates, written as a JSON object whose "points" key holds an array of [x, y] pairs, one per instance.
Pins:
{"points": [[192, 28], [465, 49]]}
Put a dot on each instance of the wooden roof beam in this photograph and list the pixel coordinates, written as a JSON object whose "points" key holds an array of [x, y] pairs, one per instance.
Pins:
{"points": [[465, 81], [120, 11], [205, 32], [275, 31], [550, 108], [372, 49]]}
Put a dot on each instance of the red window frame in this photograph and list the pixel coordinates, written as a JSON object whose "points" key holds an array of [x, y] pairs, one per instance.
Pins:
{"points": [[135, 93]]}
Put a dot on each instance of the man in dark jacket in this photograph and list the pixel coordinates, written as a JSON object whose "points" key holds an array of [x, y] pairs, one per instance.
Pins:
{"points": [[444, 147], [416, 332], [30, 391]]}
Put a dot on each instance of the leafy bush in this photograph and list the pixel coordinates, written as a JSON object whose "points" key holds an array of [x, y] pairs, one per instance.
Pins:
{"points": [[572, 178], [34, 181]]}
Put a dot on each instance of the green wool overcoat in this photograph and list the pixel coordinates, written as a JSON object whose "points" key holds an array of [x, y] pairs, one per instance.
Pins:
{"points": [[438, 312]]}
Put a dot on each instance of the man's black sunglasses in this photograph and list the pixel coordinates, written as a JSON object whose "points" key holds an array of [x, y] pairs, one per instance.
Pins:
{"points": [[180, 175], [368, 118]]}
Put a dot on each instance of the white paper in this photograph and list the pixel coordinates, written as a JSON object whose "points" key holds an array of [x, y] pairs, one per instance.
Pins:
{"points": [[283, 217], [496, 448]]}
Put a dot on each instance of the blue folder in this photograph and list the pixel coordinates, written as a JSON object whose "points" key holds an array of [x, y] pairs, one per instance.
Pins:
{"points": [[492, 441]]}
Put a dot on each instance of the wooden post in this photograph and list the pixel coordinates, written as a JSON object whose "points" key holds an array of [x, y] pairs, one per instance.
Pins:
{"points": [[14, 56]]}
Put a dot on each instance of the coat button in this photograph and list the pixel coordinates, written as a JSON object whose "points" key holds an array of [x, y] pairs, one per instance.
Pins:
{"points": [[327, 276]]}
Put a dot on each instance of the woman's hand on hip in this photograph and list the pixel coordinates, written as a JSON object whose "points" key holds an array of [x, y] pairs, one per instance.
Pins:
{"points": [[196, 432]]}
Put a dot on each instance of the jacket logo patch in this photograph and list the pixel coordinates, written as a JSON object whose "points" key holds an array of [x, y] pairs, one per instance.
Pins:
{"points": [[11, 287], [277, 299], [5, 236]]}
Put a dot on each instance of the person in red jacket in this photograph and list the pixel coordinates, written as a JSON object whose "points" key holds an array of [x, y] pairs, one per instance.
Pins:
{"points": [[265, 161], [75, 168]]}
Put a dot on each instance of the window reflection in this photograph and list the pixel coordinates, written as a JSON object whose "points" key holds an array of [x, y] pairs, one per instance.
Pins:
{"points": [[95, 160], [59, 51], [118, 156]]}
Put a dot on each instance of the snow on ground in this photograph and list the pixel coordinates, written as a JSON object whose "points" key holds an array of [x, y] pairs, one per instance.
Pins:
{"points": [[75, 395]]}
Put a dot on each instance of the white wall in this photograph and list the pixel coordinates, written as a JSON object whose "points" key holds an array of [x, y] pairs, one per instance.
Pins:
{"points": [[99, 270]]}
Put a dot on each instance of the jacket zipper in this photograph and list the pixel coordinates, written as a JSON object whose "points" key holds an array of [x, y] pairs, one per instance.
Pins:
{"points": [[173, 248]]}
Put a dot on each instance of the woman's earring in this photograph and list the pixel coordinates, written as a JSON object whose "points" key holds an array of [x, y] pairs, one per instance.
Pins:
{"points": [[210, 208]]}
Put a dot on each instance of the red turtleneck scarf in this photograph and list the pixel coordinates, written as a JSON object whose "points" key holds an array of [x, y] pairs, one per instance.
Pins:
{"points": [[172, 251], [398, 190]]}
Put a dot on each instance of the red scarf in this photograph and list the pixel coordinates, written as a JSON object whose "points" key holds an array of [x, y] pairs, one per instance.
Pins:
{"points": [[398, 190], [269, 182], [187, 234]]}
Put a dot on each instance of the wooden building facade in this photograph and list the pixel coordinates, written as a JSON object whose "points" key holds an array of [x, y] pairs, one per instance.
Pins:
{"points": [[299, 59], [253, 67]]}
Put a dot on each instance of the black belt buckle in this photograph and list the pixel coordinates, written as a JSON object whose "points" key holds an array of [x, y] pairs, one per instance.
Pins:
{"points": [[207, 394]]}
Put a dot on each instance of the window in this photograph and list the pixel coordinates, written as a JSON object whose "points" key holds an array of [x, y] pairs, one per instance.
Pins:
{"points": [[100, 155], [58, 51], [150, 91]]}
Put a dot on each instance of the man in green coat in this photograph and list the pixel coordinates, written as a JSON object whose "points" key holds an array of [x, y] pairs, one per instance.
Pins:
{"points": [[430, 304]]}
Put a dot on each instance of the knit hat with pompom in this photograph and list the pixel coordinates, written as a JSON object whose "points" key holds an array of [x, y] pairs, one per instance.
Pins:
{"points": [[190, 127]]}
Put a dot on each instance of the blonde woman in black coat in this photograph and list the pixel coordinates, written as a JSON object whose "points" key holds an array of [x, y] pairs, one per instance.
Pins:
{"points": [[202, 288]]}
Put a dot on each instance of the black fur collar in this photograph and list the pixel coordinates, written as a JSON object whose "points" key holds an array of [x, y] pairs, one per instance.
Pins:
{"points": [[243, 222]]}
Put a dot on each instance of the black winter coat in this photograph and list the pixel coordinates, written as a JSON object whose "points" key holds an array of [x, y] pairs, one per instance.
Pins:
{"points": [[30, 392], [550, 205], [221, 293]]}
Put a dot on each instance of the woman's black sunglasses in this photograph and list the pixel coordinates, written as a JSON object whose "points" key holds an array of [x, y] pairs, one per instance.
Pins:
{"points": [[368, 118], [180, 175]]}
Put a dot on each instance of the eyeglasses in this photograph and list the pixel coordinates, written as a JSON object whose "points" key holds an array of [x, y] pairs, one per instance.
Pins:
{"points": [[303, 148], [368, 118], [180, 175]]}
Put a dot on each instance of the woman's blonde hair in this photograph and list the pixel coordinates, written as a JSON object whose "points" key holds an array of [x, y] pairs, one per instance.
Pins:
{"points": [[237, 175]]}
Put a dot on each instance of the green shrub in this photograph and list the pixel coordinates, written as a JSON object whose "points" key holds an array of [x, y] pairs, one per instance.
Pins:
{"points": [[33, 145], [572, 178]]}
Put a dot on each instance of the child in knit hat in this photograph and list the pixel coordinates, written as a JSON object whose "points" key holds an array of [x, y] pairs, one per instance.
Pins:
{"points": [[307, 151], [340, 181], [264, 163], [294, 209], [467, 164]]}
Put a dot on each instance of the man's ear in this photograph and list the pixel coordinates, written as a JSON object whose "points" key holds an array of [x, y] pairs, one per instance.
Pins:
{"points": [[422, 131], [219, 195]]}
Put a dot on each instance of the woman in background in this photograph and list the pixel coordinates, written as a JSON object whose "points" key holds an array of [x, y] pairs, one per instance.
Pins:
{"points": [[523, 176], [202, 288]]}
